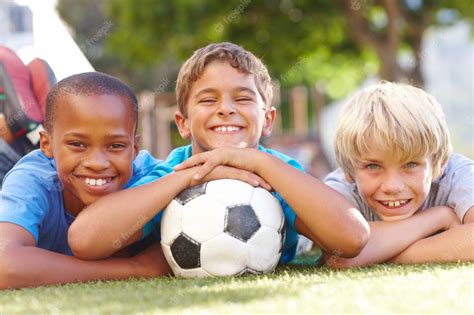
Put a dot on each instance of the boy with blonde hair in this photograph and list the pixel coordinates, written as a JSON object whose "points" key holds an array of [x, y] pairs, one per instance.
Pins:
{"points": [[393, 147], [224, 96]]}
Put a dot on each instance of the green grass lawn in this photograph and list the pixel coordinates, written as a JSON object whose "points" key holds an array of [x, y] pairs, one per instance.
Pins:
{"points": [[298, 288]]}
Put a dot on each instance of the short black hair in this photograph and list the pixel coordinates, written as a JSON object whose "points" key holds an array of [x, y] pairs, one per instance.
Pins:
{"points": [[87, 84]]}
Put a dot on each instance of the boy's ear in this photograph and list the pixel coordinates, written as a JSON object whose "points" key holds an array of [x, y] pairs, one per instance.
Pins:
{"points": [[182, 124], [46, 143], [136, 142], [349, 177], [268, 122]]}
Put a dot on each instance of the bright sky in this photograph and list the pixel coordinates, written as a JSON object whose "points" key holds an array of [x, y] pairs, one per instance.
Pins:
{"points": [[52, 41]]}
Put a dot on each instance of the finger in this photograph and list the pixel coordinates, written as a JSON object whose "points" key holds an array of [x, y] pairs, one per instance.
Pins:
{"points": [[204, 170], [192, 161], [251, 178], [261, 182]]}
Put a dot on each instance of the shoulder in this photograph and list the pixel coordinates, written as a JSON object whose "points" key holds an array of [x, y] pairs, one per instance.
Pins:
{"points": [[289, 160], [161, 168], [454, 187], [458, 166], [35, 171], [144, 163], [179, 155], [457, 161], [337, 181]]}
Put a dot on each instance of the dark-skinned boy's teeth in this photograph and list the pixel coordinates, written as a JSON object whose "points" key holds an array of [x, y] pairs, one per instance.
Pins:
{"points": [[96, 182]]}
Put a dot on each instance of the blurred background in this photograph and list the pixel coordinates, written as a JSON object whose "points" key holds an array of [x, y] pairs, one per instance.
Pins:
{"points": [[318, 52]]}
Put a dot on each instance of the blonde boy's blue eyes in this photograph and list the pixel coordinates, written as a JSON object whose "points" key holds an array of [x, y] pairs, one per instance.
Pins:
{"points": [[372, 166]]}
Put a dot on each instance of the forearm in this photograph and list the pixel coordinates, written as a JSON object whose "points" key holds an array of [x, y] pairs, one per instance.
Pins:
{"points": [[456, 244], [324, 211], [388, 239], [28, 266], [116, 220]]}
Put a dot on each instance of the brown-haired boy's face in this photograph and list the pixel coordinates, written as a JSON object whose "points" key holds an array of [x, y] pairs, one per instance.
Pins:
{"points": [[93, 144], [224, 108]]}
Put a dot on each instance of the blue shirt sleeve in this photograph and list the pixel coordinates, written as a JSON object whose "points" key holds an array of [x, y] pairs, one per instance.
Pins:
{"points": [[24, 201]]}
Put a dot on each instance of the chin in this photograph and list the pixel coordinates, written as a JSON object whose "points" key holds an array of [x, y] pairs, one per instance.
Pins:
{"points": [[398, 217]]}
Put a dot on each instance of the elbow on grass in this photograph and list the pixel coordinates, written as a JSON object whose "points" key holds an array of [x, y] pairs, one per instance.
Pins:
{"points": [[10, 275]]}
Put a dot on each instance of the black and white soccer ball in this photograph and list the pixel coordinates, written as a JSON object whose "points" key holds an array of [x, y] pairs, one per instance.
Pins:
{"points": [[223, 228]]}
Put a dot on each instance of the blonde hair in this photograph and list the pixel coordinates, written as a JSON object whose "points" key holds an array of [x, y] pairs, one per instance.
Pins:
{"points": [[236, 56], [406, 120]]}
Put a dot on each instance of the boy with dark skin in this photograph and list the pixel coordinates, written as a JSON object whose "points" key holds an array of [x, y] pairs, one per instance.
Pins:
{"points": [[89, 149]]}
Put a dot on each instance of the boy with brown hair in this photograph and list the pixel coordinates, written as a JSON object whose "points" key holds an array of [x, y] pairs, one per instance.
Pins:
{"points": [[224, 96], [397, 168], [89, 149]]}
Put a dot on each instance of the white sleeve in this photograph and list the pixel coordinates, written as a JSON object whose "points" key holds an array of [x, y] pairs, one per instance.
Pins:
{"points": [[460, 185]]}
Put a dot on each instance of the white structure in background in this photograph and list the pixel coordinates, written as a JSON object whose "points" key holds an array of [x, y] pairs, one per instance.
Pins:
{"points": [[33, 28], [448, 69]]}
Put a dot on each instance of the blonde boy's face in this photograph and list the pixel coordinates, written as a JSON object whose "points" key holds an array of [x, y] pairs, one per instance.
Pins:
{"points": [[394, 189], [94, 144], [224, 108]]}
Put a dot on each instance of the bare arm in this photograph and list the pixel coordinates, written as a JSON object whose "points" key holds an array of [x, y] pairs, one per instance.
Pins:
{"points": [[388, 239], [24, 265], [452, 245], [116, 220], [321, 211]]}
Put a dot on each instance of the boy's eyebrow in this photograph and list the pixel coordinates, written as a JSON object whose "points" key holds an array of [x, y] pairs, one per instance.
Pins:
{"points": [[246, 89], [107, 136], [370, 160], [238, 89]]}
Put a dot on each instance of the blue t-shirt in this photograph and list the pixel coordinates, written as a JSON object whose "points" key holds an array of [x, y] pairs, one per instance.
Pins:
{"points": [[183, 153], [32, 198]]}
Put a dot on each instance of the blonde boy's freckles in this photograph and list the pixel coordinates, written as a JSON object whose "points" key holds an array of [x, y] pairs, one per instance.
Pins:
{"points": [[224, 108], [394, 189]]}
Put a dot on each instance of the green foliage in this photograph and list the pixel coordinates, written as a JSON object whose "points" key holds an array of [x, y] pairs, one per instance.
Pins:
{"points": [[445, 288], [301, 41]]}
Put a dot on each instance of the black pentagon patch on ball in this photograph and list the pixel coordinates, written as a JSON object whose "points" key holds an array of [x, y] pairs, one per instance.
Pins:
{"points": [[189, 194], [241, 222], [186, 252]]}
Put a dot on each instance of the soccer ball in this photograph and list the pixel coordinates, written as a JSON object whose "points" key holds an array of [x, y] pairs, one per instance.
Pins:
{"points": [[223, 228]]}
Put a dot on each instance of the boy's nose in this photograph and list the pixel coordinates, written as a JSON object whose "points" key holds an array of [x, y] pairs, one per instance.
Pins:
{"points": [[226, 107], [393, 184], [97, 161]]}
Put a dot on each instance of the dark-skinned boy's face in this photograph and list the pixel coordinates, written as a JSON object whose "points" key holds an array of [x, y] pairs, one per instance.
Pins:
{"points": [[93, 144]]}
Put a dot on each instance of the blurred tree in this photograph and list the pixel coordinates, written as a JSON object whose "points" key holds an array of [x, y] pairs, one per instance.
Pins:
{"points": [[389, 26], [337, 43]]}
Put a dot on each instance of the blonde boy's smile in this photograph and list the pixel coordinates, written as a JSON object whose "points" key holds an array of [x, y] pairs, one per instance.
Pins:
{"points": [[394, 189], [393, 204], [224, 108]]}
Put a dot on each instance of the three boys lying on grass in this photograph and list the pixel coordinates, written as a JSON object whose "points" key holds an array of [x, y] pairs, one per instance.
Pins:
{"points": [[68, 198]]}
